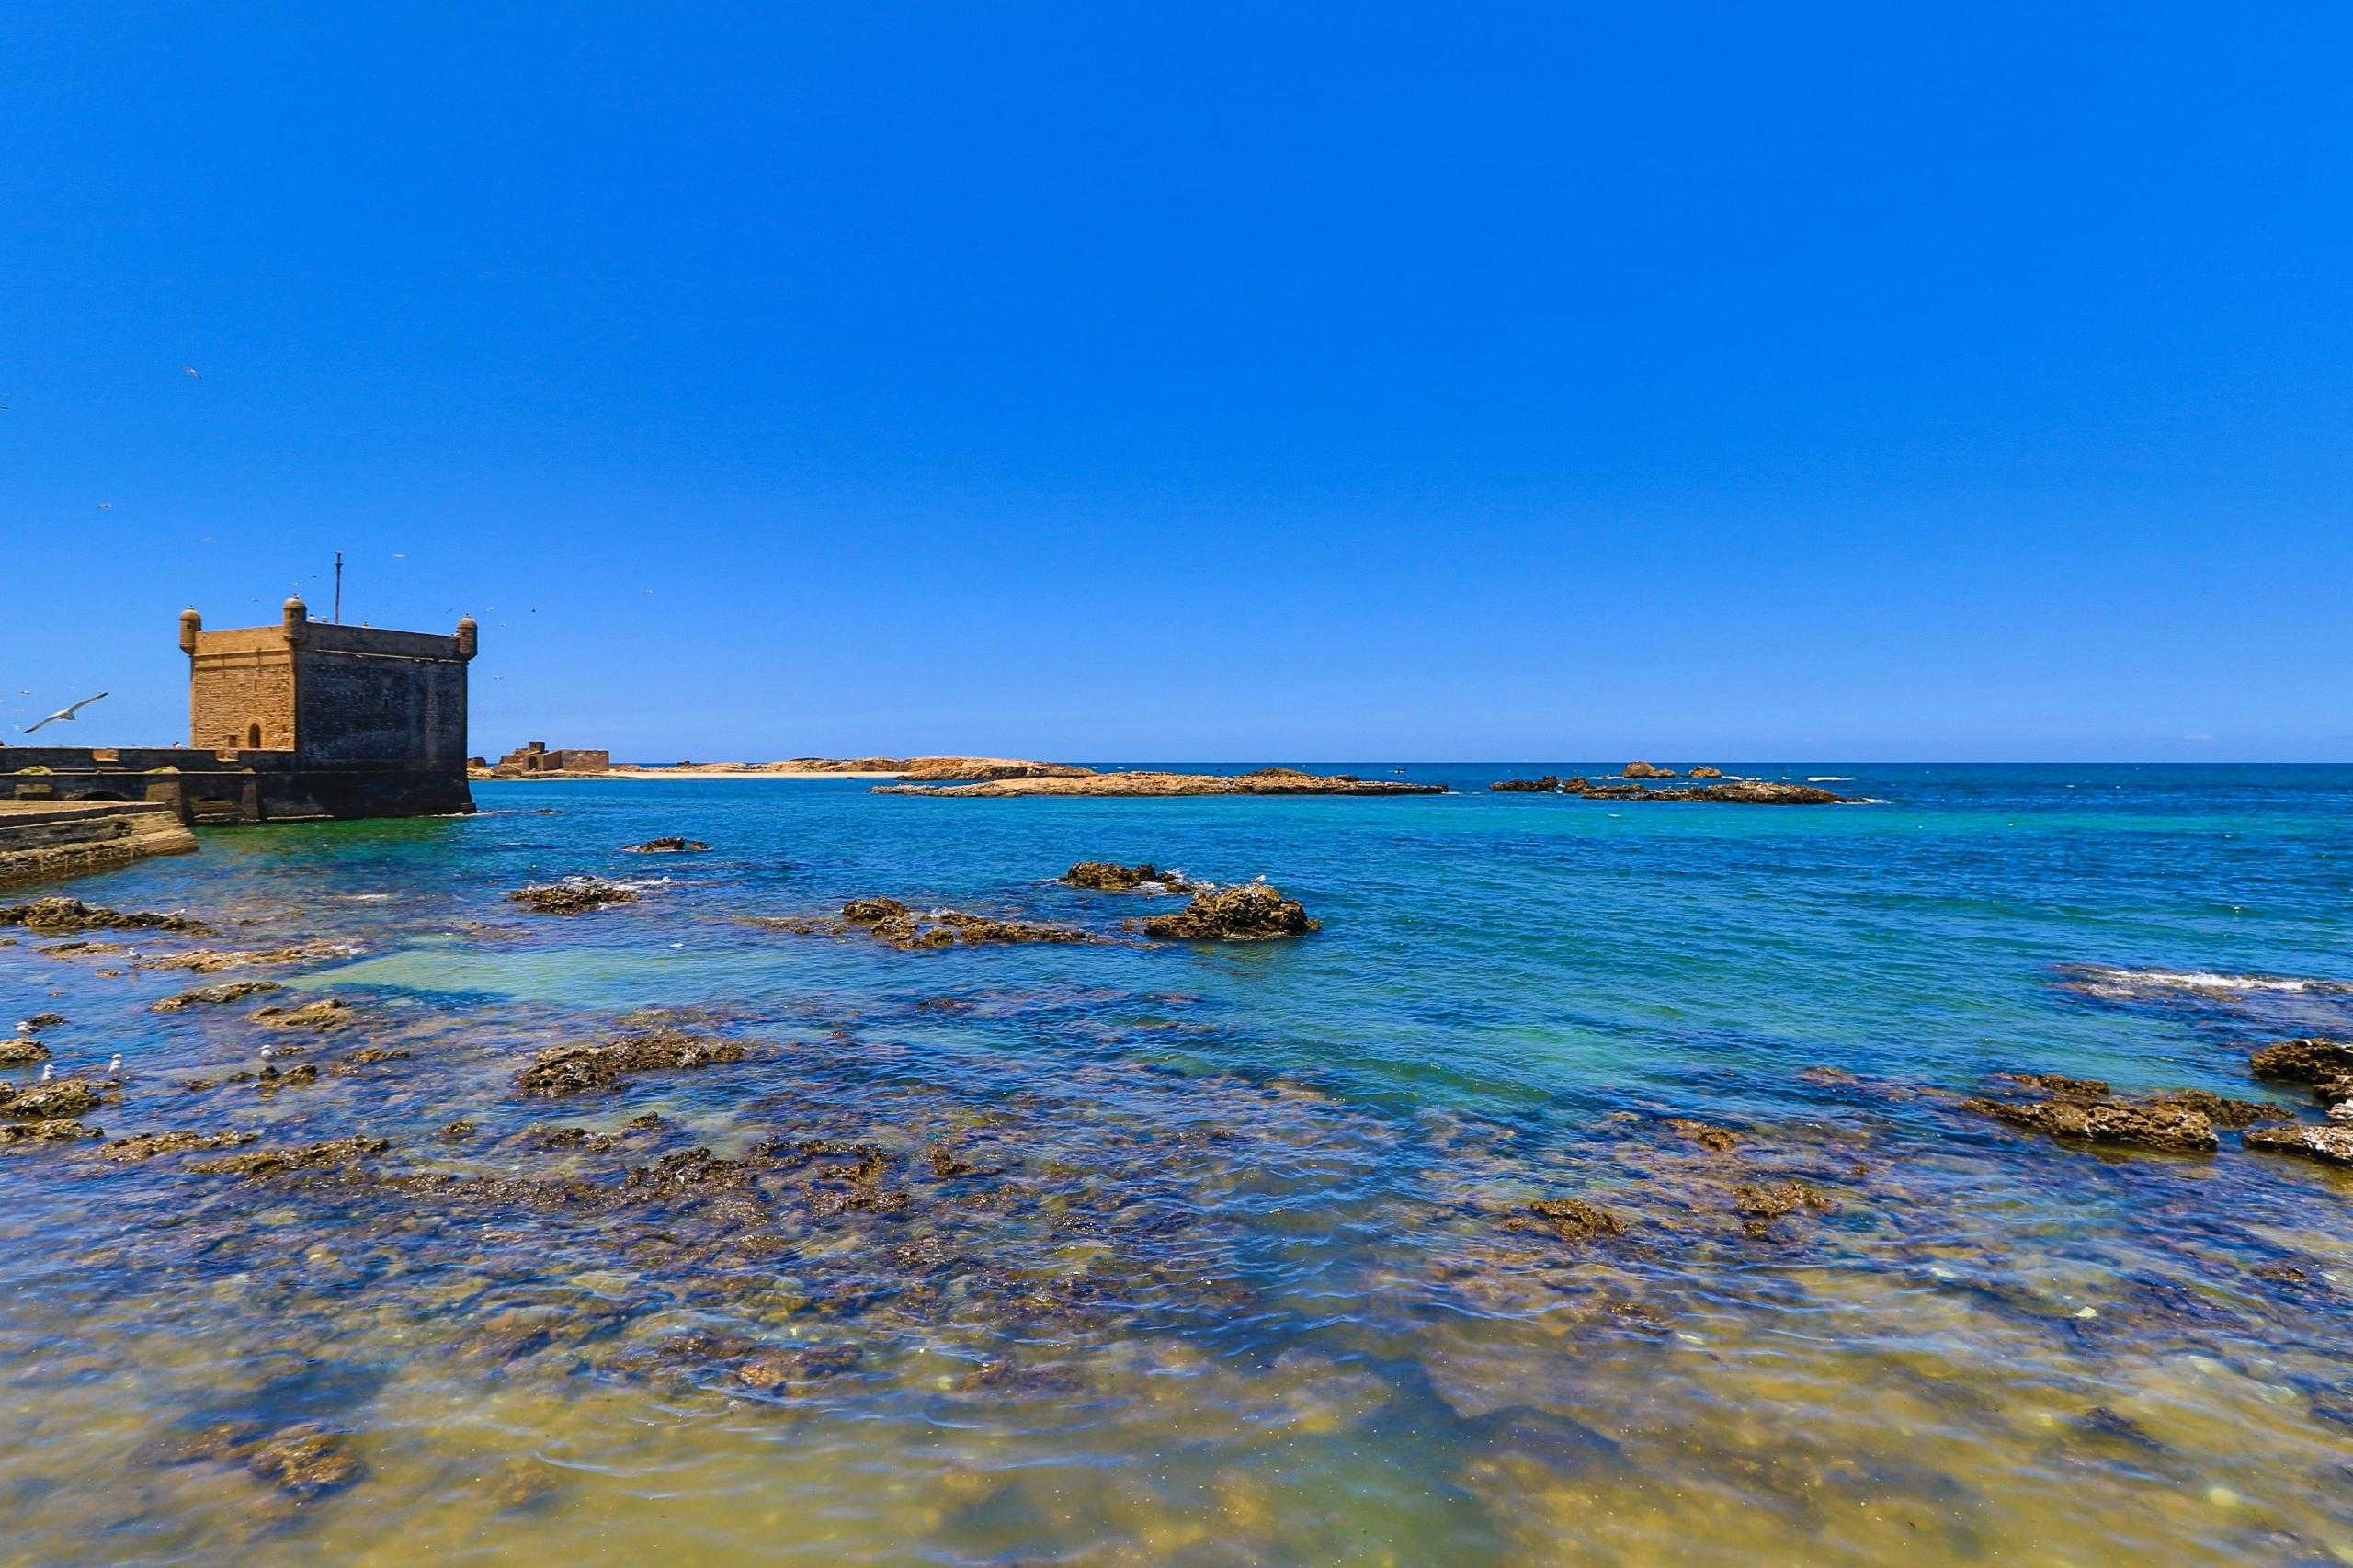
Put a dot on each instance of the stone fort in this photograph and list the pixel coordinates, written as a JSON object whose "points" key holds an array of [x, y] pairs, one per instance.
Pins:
{"points": [[298, 721]]}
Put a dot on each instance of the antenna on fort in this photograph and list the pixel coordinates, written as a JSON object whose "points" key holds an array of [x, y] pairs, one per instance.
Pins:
{"points": [[338, 586]]}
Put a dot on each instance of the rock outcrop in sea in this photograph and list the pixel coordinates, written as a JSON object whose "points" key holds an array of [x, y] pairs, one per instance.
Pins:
{"points": [[1109, 876], [1261, 782], [1247, 912]]}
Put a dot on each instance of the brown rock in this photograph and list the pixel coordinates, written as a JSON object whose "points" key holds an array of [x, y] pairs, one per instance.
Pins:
{"points": [[1107, 876], [1646, 770], [1733, 791], [18, 1134], [326, 1013], [2331, 1144], [1249, 911], [1704, 772], [2303, 1061], [1574, 1220], [573, 895], [147, 1145], [307, 1460], [1548, 785], [670, 846], [16, 1051], [774, 1371], [2171, 1128], [582, 1069], [888, 920], [58, 1101], [56, 916], [1264, 782], [309, 1157], [1715, 1140], [229, 990], [212, 960]]}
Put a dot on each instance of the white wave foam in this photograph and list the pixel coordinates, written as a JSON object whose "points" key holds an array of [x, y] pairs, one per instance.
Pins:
{"points": [[2119, 983], [1830, 779]]}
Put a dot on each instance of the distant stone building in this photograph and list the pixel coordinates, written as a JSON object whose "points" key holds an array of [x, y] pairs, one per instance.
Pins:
{"points": [[295, 722], [533, 757]]}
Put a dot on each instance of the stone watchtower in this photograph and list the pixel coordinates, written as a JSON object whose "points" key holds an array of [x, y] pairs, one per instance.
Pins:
{"points": [[375, 719]]}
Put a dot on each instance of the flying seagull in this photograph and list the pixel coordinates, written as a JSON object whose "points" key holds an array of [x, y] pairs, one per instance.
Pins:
{"points": [[64, 713], [191, 370]]}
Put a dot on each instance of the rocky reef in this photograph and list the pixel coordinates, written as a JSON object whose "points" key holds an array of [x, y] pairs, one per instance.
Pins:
{"points": [[1262, 781], [1732, 791], [911, 930], [1247, 912], [1109, 876], [585, 1069], [62, 917], [668, 845], [214, 995], [573, 895]]}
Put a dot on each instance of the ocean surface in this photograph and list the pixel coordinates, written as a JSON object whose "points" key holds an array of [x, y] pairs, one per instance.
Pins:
{"points": [[1141, 1251]]}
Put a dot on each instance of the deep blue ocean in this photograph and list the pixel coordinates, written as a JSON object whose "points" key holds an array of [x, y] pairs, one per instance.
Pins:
{"points": [[1244, 1269]]}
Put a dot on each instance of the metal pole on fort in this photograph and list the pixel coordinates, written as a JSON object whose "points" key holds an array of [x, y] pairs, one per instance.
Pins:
{"points": [[338, 587]]}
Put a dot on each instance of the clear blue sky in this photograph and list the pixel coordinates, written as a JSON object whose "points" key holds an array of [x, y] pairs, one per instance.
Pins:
{"points": [[1219, 382]]}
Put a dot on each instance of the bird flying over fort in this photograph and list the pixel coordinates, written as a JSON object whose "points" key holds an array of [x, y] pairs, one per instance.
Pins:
{"points": [[65, 714]]}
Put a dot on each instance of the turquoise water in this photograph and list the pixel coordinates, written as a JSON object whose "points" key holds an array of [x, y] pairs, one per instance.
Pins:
{"points": [[1248, 1275]]}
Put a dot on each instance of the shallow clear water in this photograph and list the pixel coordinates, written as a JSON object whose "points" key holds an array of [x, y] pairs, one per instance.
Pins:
{"points": [[1226, 1258]]}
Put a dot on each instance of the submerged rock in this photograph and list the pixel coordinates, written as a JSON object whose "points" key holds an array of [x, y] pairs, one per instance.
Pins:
{"points": [[56, 916], [1109, 876], [326, 1013], [147, 1145], [582, 1069], [573, 895], [2331, 1144], [1715, 1140], [1574, 1220], [1758, 1204], [229, 990], [667, 845], [309, 1157], [1251, 912], [307, 1460], [794, 1370], [38, 1022]]}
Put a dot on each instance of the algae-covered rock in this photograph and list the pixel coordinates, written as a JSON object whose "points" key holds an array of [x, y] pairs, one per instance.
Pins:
{"points": [[326, 1013], [582, 1069], [308, 1157], [214, 995]]}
